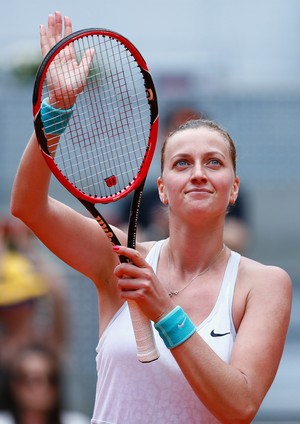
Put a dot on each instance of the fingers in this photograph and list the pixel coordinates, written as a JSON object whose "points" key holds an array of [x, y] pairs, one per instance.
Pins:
{"points": [[86, 62], [58, 26], [44, 40], [68, 26], [54, 32], [136, 268], [51, 31], [133, 255]]}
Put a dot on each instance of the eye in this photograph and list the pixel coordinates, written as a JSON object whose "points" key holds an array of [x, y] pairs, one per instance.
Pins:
{"points": [[181, 163], [214, 162]]}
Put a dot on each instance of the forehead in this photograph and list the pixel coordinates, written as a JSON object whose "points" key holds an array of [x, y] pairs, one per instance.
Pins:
{"points": [[197, 138]]}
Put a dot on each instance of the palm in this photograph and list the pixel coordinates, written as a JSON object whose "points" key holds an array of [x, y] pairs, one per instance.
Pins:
{"points": [[66, 78]]}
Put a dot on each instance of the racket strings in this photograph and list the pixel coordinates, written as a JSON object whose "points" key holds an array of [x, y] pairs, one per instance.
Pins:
{"points": [[105, 143]]}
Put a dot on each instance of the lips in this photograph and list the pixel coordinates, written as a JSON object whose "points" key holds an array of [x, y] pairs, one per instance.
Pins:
{"points": [[198, 191]]}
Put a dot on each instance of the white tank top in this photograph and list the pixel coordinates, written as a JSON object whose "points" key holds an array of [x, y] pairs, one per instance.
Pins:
{"points": [[129, 392]]}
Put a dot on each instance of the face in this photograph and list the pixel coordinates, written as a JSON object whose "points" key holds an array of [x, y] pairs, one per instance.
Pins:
{"points": [[198, 173], [34, 385]]}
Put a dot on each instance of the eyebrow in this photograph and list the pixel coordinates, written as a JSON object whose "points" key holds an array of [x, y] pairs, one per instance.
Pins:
{"points": [[209, 153]]}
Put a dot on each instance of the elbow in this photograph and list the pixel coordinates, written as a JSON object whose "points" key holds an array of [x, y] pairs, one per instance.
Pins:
{"points": [[16, 208], [241, 409], [245, 417], [241, 414], [19, 210], [249, 412]]}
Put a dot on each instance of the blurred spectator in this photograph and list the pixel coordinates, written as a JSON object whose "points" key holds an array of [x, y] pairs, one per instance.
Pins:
{"points": [[32, 296], [178, 116], [34, 390]]}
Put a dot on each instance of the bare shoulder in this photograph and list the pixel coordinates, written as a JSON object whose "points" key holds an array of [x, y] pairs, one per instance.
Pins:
{"points": [[251, 265], [263, 294], [257, 276]]}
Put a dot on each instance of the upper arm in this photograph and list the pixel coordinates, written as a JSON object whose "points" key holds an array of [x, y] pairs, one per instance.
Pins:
{"points": [[77, 240], [262, 332]]}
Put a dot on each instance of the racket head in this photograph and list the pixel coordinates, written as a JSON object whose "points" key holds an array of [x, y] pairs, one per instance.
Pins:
{"points": [[107, 148]]}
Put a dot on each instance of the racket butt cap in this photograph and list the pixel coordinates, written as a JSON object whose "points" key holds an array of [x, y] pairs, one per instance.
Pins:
{"points": [[148, 357]]}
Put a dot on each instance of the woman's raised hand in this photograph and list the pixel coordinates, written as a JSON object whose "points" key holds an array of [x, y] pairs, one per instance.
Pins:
{"points": [[66, 78]]}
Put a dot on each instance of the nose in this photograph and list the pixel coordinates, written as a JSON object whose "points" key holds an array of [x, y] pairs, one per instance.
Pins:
{"points": [[198, 172]]}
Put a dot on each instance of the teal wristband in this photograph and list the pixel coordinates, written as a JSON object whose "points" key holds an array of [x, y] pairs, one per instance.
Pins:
{"points": [[55, 121], [175, 328]]}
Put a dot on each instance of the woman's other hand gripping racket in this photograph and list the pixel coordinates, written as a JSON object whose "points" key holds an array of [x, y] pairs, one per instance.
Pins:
{"points": [[138, 282]]}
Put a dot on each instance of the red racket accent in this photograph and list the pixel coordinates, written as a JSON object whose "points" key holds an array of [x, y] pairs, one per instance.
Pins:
{"points": [[109, 142], [113, 129]]}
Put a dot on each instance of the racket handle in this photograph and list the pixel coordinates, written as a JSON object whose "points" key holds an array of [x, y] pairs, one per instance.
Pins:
{"points": [[143, 331]]}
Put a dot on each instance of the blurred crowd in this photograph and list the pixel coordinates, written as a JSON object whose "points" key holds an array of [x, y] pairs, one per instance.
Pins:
{"points": [[34, 323]]}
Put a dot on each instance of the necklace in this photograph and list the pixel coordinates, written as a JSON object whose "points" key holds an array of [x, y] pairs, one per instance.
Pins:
{"points": [[176, 292]]}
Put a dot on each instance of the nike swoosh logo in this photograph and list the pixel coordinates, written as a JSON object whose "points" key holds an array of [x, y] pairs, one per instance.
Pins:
{"points": [[213, 334], [182, 324]]}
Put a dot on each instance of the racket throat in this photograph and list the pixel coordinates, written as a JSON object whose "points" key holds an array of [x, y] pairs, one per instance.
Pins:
{"points": [[101, 221], [134, 212]]}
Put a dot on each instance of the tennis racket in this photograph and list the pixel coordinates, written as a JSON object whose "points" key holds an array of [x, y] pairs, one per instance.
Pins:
{"points": [[106, 149]]}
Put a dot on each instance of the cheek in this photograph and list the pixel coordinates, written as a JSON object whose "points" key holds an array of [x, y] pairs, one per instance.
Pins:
{"points": [[226, 186], [172, 186], [164, 194]]}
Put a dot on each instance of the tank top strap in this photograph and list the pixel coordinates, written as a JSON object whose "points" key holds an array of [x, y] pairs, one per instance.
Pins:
{"points": [[230, 274], [153, 255]]}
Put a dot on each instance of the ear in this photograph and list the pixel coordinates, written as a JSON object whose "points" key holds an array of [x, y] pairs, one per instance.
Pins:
{"points": [[161, 191], [234, 191]]}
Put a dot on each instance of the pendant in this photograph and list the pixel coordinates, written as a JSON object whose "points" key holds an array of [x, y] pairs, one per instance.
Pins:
{"points": [[171, 292]]}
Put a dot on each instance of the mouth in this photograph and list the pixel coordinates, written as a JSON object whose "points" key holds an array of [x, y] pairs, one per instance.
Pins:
{"points": [[199, 191]]}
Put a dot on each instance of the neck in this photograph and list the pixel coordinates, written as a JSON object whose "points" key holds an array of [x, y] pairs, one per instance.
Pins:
{"points": [[193, 250], [212, 262], [193, 259], [33, 417]]}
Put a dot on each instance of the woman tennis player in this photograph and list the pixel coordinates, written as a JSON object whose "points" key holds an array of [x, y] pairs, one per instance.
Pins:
{"points": [[220, 319]]}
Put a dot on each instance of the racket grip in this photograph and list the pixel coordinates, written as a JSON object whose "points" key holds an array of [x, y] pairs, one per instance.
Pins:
{"points": [[143, 332]]}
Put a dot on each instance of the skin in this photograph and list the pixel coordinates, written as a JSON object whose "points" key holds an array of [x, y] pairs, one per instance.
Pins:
{"points": [[197, 183], [36, 396]]}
